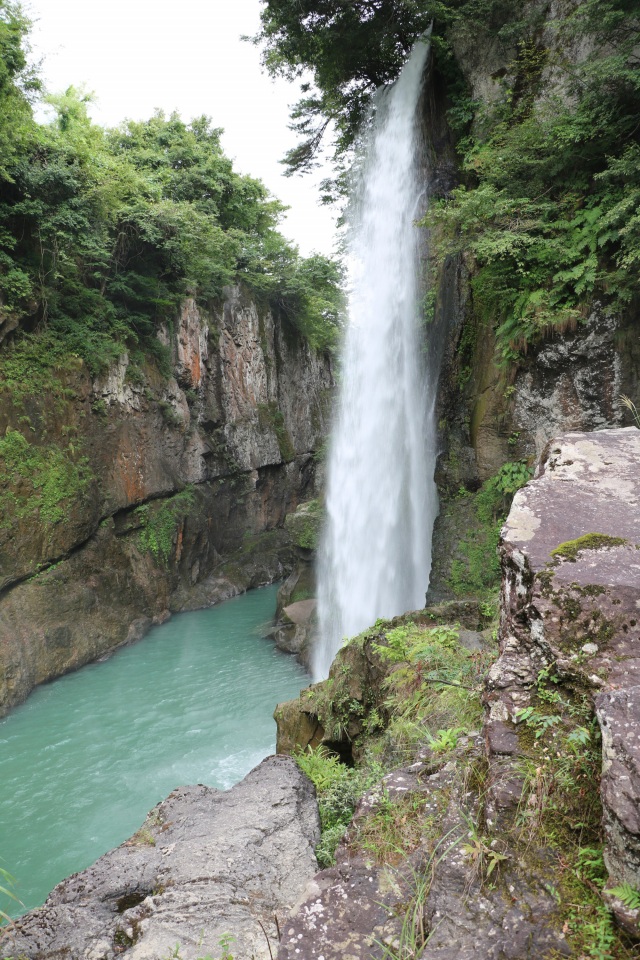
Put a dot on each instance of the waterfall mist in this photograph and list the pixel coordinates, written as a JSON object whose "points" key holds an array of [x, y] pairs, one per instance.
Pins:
{"points": [[375, 555]]}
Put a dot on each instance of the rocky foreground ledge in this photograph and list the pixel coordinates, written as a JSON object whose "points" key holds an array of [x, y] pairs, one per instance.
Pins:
{"points": [[484, 840], [505, 861], [571, 606], [204, 865]]}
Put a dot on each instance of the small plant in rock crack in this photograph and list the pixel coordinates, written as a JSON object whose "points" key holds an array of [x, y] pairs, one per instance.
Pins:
{"points": [[445, 740], [414, 934], [540, 722], [338, 788], [225, 943], [5, 891], [631, 407], [483, 855]]}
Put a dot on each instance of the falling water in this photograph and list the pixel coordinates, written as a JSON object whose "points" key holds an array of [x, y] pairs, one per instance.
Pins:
{"points": [[375, 557]]}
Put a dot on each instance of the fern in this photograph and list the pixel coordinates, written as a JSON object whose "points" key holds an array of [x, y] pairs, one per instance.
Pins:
{"points": [[629, 896]]}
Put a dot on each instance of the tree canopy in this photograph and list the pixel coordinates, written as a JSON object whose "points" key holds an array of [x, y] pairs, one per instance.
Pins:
{"points": [[352, 47], [103, 232], [549, 195]]}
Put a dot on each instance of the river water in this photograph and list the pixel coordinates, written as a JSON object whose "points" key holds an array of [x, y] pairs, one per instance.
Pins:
{"points": [[85, 758]]}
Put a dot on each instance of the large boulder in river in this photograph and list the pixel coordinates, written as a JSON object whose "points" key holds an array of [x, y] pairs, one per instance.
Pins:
{"points": [[571, 602], [206, 865]]}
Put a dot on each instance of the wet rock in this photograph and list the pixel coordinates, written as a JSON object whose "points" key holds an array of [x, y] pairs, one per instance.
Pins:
{"points": [[204, 865], [574, 383], [305, 524], [296, 630], [299, 585], [297, 728]]}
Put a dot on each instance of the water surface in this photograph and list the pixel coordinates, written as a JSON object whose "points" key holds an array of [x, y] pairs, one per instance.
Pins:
{"points": [[85, 758]]}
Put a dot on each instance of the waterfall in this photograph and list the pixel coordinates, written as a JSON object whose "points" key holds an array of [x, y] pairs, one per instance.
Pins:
{"points": [[375, 554]]}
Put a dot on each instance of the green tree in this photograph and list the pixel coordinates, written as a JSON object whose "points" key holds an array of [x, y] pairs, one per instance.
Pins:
{"points": [[352, 47], [18, 83]]}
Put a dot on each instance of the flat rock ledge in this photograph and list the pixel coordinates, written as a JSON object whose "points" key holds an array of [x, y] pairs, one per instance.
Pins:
{"points": [[571, 600], [204, 865]]}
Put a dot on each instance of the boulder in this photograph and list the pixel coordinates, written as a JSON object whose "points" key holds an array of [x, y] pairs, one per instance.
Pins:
{"points": [[206, 866]]}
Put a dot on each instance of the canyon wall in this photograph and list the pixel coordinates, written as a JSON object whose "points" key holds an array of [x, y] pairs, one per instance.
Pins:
{"points": [[134, 495]]}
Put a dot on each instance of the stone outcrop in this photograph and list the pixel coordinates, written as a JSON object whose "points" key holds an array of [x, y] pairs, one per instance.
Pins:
{"points": [[182, 486], [425, 898], [484, 856], [205, 865], [571, 603], [296, 624]]}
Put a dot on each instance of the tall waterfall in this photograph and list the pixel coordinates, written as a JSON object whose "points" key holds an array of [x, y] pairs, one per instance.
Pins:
{"points": [[375, 556]]}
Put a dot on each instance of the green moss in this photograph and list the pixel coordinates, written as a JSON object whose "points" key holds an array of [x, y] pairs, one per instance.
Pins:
{"points": [[33, 364], [305, 524], [159, 524], [39, 482], [270, 417], [590, 541]]}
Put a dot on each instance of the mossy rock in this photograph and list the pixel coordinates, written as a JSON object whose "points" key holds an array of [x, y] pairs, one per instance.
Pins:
{"points": [[590, 541], [305, 524]]}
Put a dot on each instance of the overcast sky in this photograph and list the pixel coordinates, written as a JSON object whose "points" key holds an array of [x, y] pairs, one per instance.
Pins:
{"points": [[184, 55]]}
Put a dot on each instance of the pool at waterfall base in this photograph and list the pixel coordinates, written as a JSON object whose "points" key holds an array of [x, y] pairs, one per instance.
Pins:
{"points": [[88, 755]]}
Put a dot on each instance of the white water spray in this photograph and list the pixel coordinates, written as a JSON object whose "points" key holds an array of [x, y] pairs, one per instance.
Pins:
{"points": [[375, 556]]}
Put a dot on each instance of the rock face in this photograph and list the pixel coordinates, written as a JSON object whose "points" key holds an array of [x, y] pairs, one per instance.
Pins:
{"points": [[424, 899], [206, 864], [168, 494], [571, 600], [485, 853]]}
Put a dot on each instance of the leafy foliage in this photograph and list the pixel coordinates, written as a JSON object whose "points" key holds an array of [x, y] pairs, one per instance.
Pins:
{"points": [[339, 789], [352, 47], [551, 204], [17, 84], [49, 479], [159, 524], [474, 569], [104, 232], [629, 896]]}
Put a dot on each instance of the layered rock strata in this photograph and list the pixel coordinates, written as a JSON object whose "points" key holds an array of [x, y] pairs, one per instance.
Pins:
{"points": [[571, 604], [180, 487]]}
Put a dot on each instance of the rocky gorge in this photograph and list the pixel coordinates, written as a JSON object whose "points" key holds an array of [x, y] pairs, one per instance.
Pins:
{"points": [[181, 487], [475, 761], [473, 845]]}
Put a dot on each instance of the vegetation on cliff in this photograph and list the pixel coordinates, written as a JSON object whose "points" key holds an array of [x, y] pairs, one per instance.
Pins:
{"points": [[103, 232], [549, 199], [421, 709]]}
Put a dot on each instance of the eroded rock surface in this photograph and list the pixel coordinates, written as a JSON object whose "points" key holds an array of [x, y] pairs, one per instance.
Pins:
{"points": [[427, 898], [571, 601], [205, 864], [231, 432]]}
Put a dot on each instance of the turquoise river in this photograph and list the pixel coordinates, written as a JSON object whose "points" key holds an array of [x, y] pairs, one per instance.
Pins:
{"points": [[85, 758]]}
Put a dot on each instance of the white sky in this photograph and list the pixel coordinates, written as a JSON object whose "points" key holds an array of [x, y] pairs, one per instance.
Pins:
{"points": [[184, 55]]}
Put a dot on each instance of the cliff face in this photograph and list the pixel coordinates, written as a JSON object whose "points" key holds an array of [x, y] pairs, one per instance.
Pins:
{"points": [[565, 375], [495, 413], [134, 494]]}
